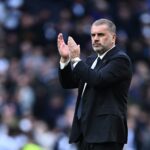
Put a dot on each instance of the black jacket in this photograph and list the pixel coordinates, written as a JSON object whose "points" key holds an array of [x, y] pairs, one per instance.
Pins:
{"points": [[105, 97]]}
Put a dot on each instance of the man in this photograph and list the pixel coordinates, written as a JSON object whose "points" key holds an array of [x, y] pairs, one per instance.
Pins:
{"points": [[103, 82]]}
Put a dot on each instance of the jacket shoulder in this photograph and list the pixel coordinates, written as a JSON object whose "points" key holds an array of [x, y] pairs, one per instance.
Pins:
{"points": [[121, 54]]}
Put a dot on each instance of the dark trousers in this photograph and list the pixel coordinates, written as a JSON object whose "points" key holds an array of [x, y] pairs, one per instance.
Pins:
{"points": [[100, 146]]}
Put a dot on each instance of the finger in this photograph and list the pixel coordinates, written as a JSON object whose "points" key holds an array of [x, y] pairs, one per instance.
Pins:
{"points": [[60, 40], [71, 41], [60, 34], [60, 37]]}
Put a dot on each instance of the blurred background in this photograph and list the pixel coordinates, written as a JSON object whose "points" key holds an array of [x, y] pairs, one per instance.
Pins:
{"points": [[35, 112]]}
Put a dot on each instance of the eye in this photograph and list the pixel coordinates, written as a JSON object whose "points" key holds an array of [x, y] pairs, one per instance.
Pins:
{"points": [[101, 34], [92, 35]]}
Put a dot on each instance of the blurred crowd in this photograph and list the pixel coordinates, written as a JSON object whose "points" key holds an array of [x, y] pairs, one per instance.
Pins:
{"points": [[35, 111]]}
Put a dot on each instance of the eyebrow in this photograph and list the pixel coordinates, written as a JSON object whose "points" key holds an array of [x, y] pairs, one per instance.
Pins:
{"points": [[97, 34]]}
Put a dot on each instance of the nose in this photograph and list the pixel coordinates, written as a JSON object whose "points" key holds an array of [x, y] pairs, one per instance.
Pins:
{"points": [[95, 37]]}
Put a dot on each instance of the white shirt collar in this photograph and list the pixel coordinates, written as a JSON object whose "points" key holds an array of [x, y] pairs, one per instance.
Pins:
{"points": [[102, 56]]}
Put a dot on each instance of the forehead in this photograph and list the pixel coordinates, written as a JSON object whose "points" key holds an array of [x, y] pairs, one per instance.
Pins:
{"points": [[99, 28]]}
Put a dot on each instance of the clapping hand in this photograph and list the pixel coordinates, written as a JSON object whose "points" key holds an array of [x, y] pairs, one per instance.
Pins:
{"points": [[67, 51], [74, 48], [62, 48]]}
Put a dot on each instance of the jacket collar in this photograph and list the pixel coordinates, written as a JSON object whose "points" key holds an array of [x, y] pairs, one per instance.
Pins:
{"points": [[102, 56], [111, 53], [106, 57]]}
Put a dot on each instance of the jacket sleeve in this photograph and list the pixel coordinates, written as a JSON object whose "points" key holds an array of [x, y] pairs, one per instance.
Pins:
{"points": [[67, 78], [114, 71]]}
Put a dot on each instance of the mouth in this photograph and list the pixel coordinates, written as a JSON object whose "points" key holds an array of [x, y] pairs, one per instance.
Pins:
{"points": [[96, 44]]}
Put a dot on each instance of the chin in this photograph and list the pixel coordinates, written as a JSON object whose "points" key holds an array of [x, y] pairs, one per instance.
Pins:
{"points": [[99, 50], [96, 49]]}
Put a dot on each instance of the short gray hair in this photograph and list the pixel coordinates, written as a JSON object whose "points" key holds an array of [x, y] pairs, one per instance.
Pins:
{"points": [[109, 23]]}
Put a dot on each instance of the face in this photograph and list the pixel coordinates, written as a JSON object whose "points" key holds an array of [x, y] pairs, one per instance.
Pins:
{"points": [[102, 38]]}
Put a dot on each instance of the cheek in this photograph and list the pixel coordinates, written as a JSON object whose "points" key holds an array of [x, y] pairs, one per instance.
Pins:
{"points": [[104, 40], [92, 40], [107, 40]]}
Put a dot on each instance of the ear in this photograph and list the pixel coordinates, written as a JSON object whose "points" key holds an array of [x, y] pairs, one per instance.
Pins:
{"points": [[113, 37]]}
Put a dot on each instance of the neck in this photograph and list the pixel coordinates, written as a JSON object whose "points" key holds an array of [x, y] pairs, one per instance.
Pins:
{"points": [[105, 51]]}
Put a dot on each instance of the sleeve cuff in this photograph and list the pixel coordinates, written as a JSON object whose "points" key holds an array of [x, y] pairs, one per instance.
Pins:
{"points": [[75, 61], [63, 65]]}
